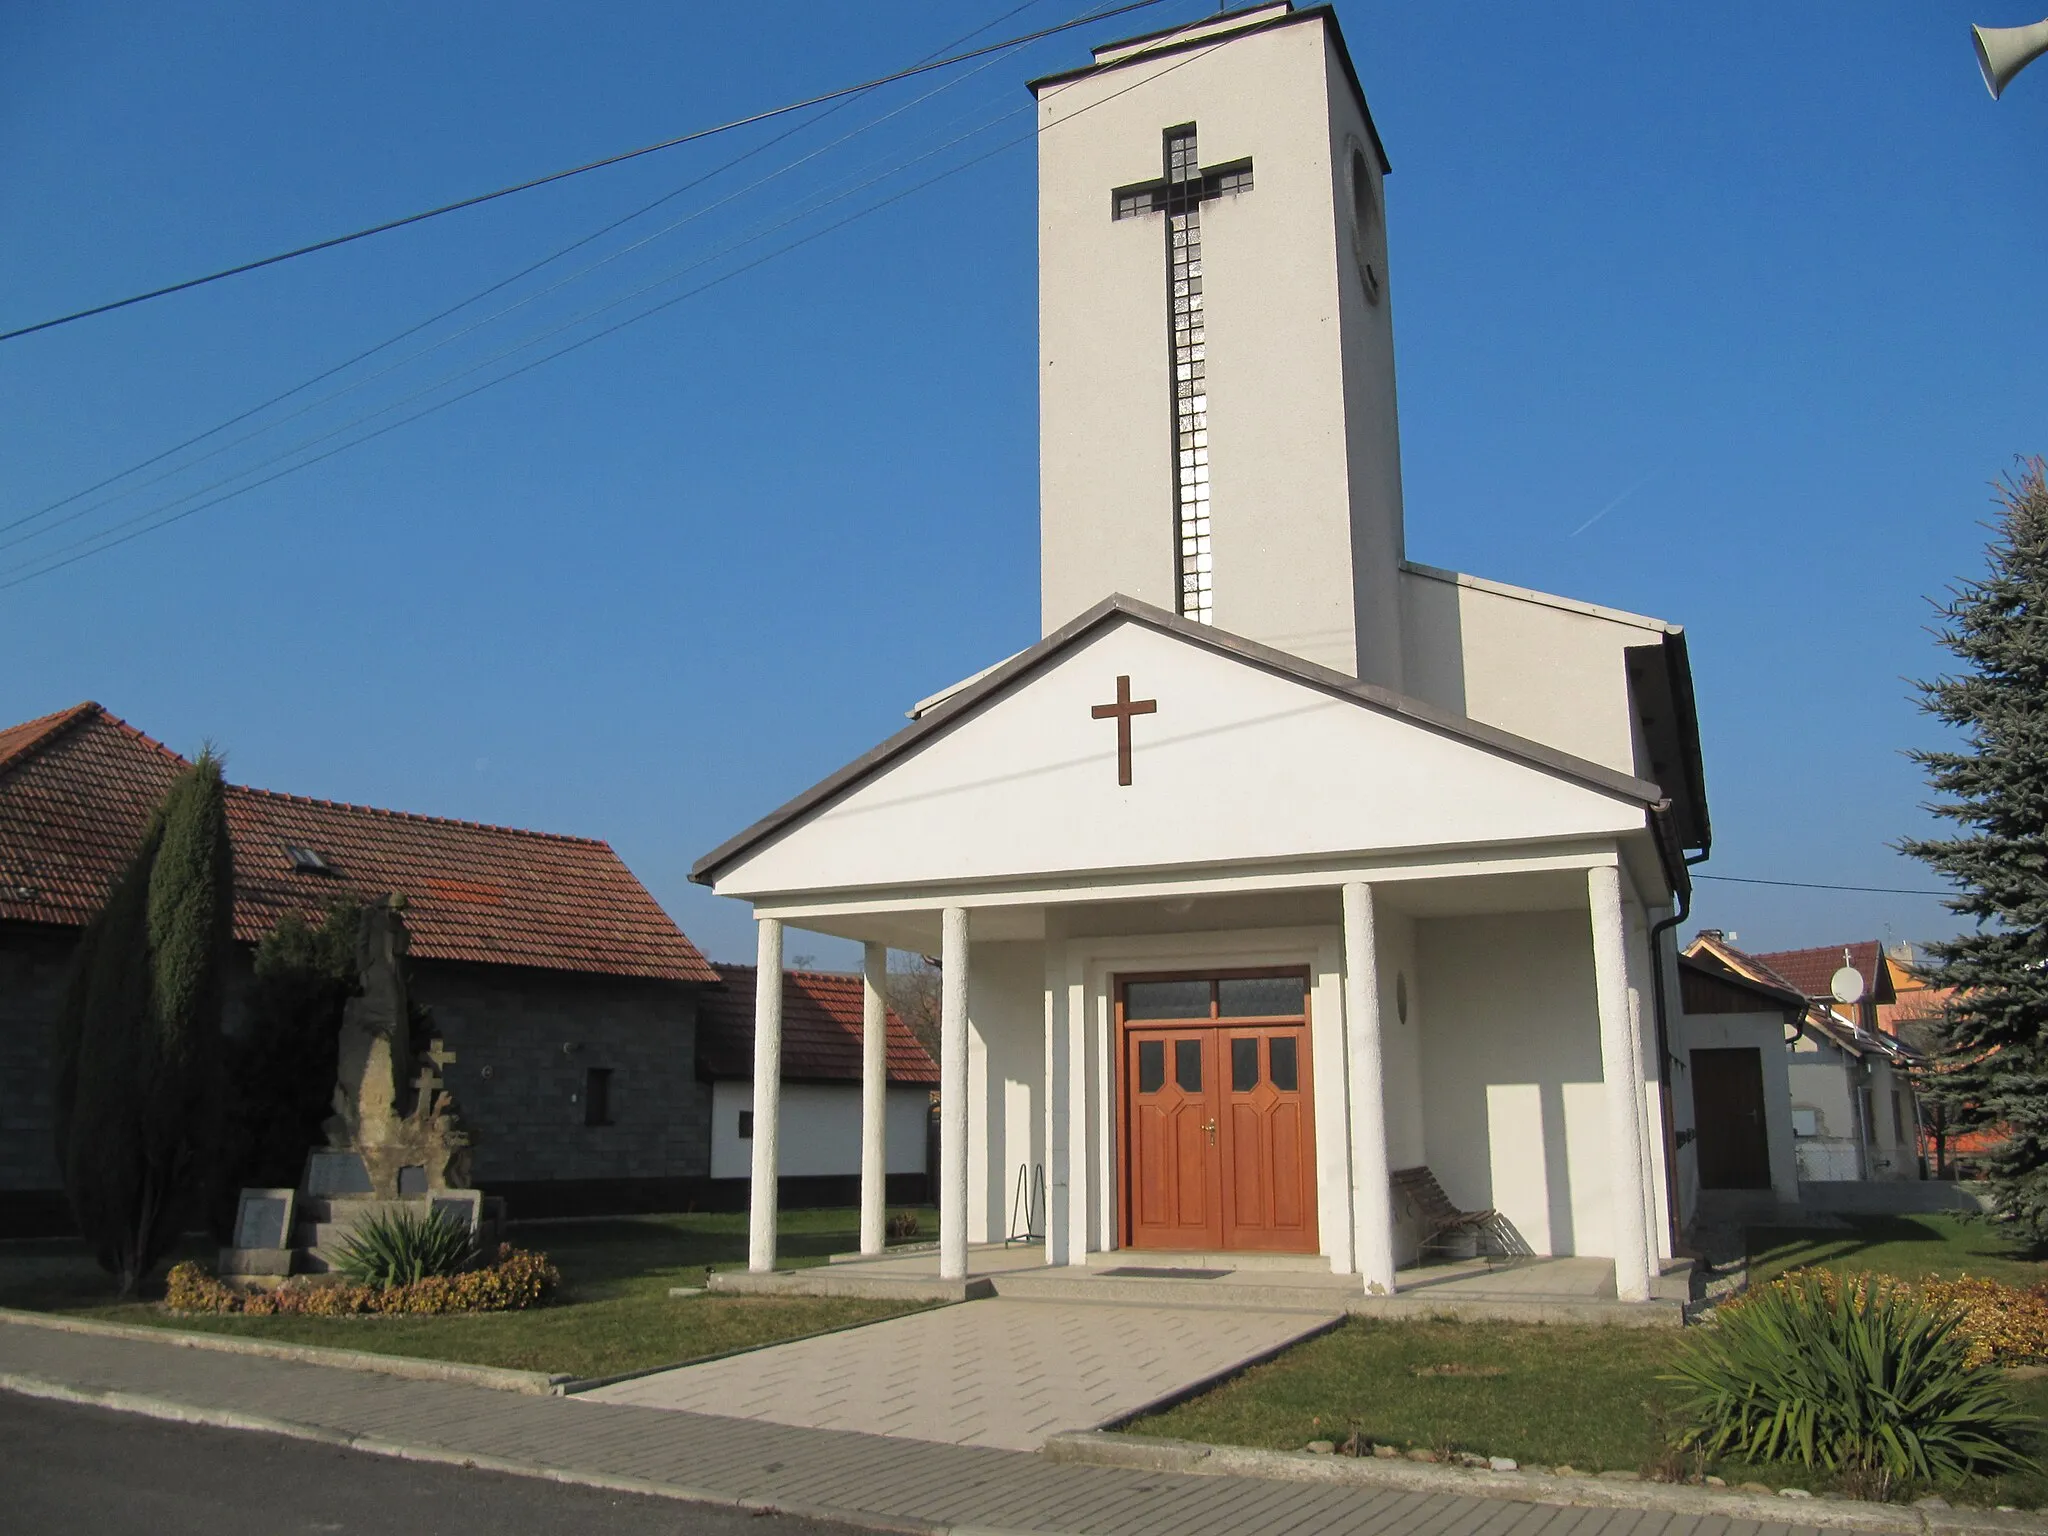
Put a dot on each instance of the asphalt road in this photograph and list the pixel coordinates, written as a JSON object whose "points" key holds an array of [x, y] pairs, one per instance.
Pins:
{"points": [[72, 1470]]}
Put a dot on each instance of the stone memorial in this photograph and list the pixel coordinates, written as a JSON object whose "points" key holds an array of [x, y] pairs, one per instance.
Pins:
{"points": [[393, 1141]]}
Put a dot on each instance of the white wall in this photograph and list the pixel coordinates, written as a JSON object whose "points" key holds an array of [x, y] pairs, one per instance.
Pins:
{"points": [[1238, 763], [1820, 1078], [1005, 1079], [820, 1129], [1546, 668], [1514, 1114], [1765, 1033]]}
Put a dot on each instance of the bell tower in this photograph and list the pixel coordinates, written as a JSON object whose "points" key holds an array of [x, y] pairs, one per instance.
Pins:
{"points": [[1216, 356]]}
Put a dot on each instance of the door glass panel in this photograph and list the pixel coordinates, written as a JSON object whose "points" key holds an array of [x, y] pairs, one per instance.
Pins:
{"points": [[1244, 1064], [1151, 1065], [1187, 1065], [1285, 1069], [1166, 1000], [1262, 997]]}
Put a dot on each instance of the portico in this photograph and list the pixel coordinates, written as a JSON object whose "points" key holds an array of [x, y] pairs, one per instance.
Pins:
{"points": [[1353, 966]]}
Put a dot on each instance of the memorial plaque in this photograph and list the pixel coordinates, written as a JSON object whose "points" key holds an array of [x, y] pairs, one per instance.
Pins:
{"points": [[264, 1219], [412, 1180], [337, 1173], [463, 1207]]}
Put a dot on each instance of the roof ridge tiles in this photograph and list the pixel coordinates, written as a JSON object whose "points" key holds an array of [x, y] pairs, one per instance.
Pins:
{"points": [[445, 821], [60, 722]]}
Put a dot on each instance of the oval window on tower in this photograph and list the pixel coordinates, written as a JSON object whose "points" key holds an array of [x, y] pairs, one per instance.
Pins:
{"points": [[1365, 218]]}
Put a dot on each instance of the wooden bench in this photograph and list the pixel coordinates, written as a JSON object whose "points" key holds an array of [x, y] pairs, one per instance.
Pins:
{"points": [[1493, 1233]]}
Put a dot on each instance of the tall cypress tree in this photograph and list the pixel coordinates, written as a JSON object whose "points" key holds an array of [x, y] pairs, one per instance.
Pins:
{"points": [[1994, 1036], [138, 1047]]}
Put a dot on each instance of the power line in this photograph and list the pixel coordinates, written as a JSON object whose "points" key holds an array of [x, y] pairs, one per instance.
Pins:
{"points": [[578, 170], [1811, 885], [23, 573], [414, 329]]}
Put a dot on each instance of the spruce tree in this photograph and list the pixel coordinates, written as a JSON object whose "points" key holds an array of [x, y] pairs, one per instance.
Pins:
{"points": [[138, 1048], [1993, 1066]]}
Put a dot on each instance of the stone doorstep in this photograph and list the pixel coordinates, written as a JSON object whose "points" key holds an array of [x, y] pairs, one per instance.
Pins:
{"points": [[824, 1280], [1133, 1453]]}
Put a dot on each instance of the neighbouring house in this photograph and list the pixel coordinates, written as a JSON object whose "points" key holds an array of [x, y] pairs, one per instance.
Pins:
{"points": [[570, 1000], [1731, 1090], [821, 1088], [1851, 1104], [1282, 864], [1913, 1018]]}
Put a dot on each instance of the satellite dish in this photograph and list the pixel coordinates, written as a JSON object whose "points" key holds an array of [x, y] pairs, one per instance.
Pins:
{"points": [[1847, 985]]}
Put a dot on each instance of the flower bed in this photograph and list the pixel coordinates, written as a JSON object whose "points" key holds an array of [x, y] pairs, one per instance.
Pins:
{"points": [[515, 1281], [2002, 1324]]}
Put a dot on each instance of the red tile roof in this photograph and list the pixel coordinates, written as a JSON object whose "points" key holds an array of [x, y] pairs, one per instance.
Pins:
{"points": [[1811, 971], [77, 788], [821, 1029]]}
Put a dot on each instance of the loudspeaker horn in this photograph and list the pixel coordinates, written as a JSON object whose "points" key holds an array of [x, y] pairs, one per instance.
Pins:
{"points": [[2003, 52]]}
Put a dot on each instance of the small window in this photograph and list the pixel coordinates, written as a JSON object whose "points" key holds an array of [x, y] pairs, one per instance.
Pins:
{"points": [[1187, 1065], [1166, 1000], [1284, 1066], [1261, 997], [1244, 1064], [1898, 1119], [1805, 1122], [746, 1125], [597, 1096], [1151, 1065], [308, 861]]}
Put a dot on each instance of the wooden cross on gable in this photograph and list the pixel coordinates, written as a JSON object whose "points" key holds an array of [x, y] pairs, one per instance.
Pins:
{"points": [[1122, 712]]}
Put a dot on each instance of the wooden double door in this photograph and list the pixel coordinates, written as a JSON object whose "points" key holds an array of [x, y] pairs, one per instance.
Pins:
{"points": [[1217, 1131]]}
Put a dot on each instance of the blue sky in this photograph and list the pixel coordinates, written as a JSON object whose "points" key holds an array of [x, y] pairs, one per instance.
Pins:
{"points": [[1762, 283]]}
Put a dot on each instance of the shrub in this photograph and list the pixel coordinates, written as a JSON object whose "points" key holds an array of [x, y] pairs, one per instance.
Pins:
{"points": [[903, 1226], [401, 1247], [1856, 1377], [517, 1280]]}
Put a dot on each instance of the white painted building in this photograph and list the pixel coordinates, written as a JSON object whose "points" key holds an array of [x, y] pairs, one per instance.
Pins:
{"points": [[1281, 863]]}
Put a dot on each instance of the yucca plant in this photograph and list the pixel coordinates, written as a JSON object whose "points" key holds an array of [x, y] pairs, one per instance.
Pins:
{"points": [[398, 1247], [1865, 1382]]}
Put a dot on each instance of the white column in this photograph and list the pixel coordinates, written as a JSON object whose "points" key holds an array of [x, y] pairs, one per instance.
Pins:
{"points": [[761, 1207], [874, 1098], [1621, 1072], [953, 1094], [1372, 1199], [1059, 1168]]}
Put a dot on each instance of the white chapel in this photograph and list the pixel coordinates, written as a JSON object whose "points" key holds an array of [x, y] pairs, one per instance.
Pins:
{"points": [[1285, 877]]}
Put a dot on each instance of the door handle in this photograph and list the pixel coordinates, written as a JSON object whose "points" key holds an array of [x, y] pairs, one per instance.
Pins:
{"points": [[1211, 1129]]}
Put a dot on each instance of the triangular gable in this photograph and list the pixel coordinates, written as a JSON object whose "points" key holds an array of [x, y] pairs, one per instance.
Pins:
{"points": [[1249, 755]]}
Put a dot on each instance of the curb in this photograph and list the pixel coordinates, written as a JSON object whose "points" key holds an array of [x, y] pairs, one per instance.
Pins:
{"points": [[1099, 1449], [531, 1383], [373, 1445]]}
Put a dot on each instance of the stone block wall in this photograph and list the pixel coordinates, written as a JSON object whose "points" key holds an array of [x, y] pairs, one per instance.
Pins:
{"points": [[525, 1043], [33, 963]]}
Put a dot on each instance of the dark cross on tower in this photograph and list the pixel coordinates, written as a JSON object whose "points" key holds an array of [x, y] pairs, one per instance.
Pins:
{"points": [[1179, 194], [1121, 712]]}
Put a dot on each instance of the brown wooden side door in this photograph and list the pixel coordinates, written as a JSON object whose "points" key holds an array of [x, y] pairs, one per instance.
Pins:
{"points": [[1269, 1185], [1175, 1138], [1728, 1112]]}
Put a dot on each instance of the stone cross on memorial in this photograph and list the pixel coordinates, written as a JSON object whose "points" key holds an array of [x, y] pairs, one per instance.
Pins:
{"points": [[1179, 194]]}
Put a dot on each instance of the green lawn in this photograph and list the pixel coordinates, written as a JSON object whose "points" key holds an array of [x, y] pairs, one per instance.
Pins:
{"points": [[615, 1313], [1912, 1247], [1589, 1398]]}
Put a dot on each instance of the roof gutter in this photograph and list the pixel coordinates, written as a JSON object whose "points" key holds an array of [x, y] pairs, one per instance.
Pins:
{"points": [[1681, 885]]}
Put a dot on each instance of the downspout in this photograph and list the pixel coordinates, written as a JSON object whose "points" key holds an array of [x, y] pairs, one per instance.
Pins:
{"points": [[1681, 886]]}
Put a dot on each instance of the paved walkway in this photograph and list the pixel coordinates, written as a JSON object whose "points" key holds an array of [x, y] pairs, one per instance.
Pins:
{"points": [[869, 1479], [999, 1373]]}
